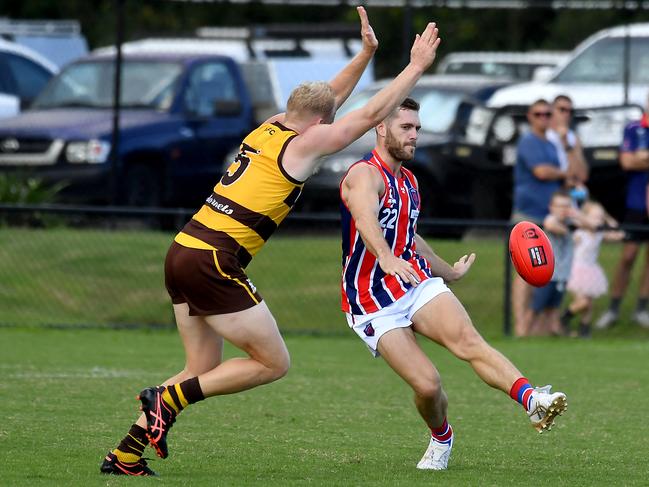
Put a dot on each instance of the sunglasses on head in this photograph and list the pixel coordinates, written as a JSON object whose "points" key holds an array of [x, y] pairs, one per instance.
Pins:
{"points": [[542, 114]]}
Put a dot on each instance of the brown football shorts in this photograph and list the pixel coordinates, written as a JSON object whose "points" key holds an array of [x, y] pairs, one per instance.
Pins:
{"points": [[211, 282]]}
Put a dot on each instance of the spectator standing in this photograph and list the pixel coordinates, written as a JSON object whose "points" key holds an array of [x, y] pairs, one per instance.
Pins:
{"points": [[569, 149], [634, 159], [537, 175]]}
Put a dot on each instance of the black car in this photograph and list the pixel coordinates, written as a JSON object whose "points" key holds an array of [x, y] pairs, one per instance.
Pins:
{"points": [[445, 180]]}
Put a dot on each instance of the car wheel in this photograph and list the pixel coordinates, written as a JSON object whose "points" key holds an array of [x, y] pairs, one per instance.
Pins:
{"points": [[142, 187]]}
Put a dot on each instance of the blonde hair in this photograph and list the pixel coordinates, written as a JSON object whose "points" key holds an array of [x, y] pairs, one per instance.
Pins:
{"points": [[589, 205], [312, 98]]}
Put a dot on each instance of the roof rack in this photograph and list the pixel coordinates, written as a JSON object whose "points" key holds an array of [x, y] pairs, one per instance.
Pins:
{"points": [[55, 28], [281, 31]]}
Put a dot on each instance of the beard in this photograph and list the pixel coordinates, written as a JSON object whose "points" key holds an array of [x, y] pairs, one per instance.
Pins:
{"points": [[401, 152]]}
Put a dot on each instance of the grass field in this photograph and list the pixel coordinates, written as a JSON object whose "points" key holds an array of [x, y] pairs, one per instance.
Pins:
{"points": [[339, 417], [71, 276]]}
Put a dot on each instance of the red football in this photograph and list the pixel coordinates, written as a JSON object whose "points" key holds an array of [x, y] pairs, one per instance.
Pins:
{"points": [[531, 253]]}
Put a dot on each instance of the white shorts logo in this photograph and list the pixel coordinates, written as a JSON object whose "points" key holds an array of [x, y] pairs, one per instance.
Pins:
{"points": [[252, 286]]}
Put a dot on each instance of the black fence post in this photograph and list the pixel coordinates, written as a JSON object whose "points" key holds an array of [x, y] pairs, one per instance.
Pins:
{"points": [[507, 302], [117, 89]]}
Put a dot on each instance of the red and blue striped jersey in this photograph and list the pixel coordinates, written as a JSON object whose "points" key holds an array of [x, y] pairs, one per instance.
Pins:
{"points": [[365, 287]]}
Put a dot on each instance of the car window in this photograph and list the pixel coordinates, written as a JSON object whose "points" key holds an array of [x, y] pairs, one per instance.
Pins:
{"points": [[148, 84], [603, 62], [208, 83], [30, 77], [355, 102], [520, 71], [7, 84], [438, 109]]}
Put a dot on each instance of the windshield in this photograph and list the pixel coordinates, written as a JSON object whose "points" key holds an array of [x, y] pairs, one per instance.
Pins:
{"points": [[520, 71], [438, 106], [146, 84], [603, 62]]}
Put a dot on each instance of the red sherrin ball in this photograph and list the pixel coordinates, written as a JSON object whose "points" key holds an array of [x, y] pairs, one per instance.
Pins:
{"points": [[531, 253]]}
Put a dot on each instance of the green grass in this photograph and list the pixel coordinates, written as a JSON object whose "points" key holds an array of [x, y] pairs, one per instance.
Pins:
{"points": [[71, 276], [339, 417]]}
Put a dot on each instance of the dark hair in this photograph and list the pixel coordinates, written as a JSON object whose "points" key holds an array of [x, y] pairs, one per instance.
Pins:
{"points": [[562, 98], [409, 104], [540, 101]]}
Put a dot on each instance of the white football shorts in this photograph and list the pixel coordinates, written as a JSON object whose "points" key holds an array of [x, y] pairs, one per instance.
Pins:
{"points": [[372, 326]]}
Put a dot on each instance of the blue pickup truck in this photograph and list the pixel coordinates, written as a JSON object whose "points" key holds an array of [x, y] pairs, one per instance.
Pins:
{"points": [[180, 115]]}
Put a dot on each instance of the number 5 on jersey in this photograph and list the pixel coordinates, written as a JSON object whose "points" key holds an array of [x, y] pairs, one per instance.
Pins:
{"points": [[234, 172]]}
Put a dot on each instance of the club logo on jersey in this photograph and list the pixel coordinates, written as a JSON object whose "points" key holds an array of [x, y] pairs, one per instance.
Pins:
{"points": [[369, 330], [530, 233], [392, 198], [414, 196], [537, 256]]}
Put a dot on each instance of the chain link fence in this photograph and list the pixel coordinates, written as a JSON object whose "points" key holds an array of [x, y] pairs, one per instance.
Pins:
{"points": [[90, 266], [73, 267]]}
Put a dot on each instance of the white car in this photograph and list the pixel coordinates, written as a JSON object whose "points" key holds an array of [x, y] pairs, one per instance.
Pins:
{"points": [[520, 66], [593, 76], [23, 74]]}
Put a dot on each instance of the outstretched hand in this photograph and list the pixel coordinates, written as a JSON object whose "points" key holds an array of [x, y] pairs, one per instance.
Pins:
{"points": [[370, 42], [424, 48], [462, 266]]}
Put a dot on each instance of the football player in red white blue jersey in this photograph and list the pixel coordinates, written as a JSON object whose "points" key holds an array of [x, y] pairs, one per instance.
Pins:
{"points": [[394, 285]]}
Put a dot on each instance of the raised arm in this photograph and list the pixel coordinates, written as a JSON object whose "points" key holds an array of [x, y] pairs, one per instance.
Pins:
{"points": [[577, 166], [345, 81], [361, 191], [320, 140]]}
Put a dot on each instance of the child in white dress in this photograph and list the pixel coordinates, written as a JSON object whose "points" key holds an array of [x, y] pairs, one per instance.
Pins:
{"points": [[587, 279]]}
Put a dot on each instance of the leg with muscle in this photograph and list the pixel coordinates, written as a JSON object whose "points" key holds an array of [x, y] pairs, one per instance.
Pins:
{"points": [[401, 352], [255, 332], [445, 321], [203, 351]]}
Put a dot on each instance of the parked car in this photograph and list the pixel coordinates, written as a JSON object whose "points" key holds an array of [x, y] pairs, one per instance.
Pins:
{"points": [[271, 67], [519, 66], [593, 77], [179, 116], [23, 74], [58, 41], [593, 74], [446, 181]]}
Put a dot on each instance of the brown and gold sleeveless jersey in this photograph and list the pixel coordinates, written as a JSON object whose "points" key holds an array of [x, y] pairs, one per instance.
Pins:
{"points": [[251, 199]]}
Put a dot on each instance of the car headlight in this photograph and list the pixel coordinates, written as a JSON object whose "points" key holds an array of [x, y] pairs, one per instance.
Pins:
{"points": [[92, 151], [504, 129], [476, 130]]}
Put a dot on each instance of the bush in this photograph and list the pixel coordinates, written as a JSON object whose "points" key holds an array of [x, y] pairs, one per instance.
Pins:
{"points": [[17, 188]]}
